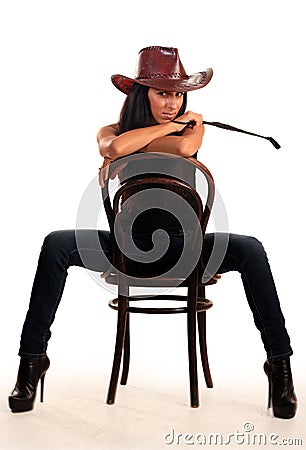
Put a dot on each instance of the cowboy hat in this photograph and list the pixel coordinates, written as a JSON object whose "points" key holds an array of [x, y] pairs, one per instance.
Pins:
{"points": [[161, 68]]}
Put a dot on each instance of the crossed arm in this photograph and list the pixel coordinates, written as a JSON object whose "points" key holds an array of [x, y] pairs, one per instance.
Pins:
{"points": [[156, 138]]}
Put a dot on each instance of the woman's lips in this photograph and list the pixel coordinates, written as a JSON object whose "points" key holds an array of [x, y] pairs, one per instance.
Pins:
{"points": [[168, 116]]}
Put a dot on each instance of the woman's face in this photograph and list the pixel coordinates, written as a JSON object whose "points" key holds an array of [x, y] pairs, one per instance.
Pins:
{"points": [[164, 104]]}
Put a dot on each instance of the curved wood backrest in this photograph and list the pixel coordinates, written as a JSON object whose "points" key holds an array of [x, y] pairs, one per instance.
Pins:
{"points": [[131, 183], [115, 165]]}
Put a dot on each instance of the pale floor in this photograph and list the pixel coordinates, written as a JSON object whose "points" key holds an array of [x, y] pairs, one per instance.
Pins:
{"points": [[149, 413], [156, 400]]}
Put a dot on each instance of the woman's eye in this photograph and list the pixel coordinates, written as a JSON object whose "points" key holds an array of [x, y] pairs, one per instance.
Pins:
{"points": [[164, 94]]}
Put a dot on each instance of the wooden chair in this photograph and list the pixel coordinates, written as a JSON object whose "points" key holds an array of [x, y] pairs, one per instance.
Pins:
{"points": [[119, 275]]}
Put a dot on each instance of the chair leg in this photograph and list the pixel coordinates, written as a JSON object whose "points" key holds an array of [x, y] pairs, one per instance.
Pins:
{"points": [[121, 324], [192, 354], [126, 352], [203, 348]]}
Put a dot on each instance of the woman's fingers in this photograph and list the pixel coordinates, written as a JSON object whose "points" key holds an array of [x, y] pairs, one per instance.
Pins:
{"points": [[104, 171]]}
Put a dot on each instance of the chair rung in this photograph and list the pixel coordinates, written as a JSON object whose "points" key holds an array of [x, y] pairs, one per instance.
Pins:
{"points": [[203, 304]]}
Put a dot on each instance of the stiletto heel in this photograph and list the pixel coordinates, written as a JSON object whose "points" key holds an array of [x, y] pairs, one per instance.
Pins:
{"points": [[42, 385], [31, 371], [269, 393], [281, 391], [267, 370]]}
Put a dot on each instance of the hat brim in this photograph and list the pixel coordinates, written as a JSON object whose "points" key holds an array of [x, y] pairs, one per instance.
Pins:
{"points": [[190, 83]]}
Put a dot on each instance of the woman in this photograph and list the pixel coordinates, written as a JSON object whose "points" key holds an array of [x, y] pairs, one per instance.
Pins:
{"points": [[153, 119]]}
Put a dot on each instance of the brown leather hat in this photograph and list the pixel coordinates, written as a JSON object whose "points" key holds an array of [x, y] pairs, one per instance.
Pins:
{"points": [[161, 68]]}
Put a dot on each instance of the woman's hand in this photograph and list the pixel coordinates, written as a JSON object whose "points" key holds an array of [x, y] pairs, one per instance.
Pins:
{"points": [[104, 171], [189, 116], [217, 276]]}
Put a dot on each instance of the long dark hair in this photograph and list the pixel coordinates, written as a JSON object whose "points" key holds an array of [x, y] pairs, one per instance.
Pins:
{"points": [[136, 110]]}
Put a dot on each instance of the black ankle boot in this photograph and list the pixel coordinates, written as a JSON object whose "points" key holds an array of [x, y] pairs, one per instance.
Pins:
{"points": [[281, 390], [31, 370]]}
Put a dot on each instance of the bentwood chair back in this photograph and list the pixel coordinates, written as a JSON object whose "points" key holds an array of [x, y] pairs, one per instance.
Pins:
{"points": [[160, 182]]}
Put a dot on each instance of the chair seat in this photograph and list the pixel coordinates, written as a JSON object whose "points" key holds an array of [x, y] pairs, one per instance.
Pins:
{"points": [[143, 281]]}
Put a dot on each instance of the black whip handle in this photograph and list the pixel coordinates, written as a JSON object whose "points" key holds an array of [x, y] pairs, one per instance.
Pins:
{"points": [[231, 128]]}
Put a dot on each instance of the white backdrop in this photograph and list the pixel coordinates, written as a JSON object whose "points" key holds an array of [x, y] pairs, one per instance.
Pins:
{"points": [[56, 62]]}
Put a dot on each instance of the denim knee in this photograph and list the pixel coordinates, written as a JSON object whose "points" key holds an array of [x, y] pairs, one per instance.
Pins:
{"points": [[248, 246], [57, 243]]}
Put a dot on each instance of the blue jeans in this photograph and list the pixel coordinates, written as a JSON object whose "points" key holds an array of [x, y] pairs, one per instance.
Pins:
{"points": [[244, 254]]}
